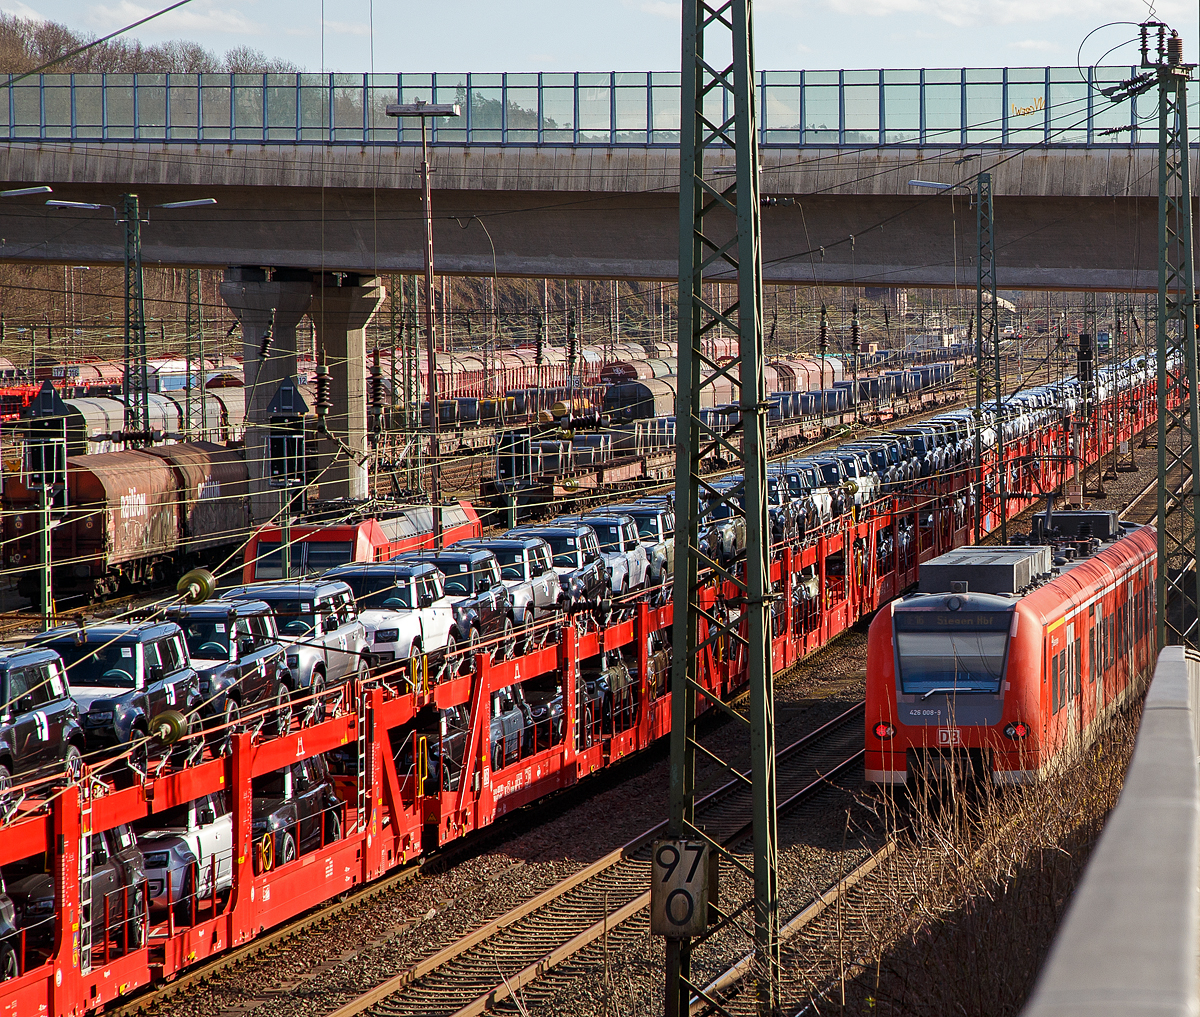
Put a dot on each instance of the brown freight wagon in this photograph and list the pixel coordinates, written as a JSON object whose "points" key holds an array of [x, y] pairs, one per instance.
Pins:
{"points": [[213, 490], [122, 526]]}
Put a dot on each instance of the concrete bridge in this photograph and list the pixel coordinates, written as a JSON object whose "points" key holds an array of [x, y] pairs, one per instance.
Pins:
{"points": [[577, 175]]}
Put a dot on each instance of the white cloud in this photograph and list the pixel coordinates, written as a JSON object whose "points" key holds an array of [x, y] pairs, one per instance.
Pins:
{"points": [[978, 13], [347, 28], [1040, 45], [658, 8], [206, 17], [21, 10]]}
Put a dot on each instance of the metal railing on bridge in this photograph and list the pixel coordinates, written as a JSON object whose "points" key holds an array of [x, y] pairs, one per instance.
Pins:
{"points": [[977, 107]]}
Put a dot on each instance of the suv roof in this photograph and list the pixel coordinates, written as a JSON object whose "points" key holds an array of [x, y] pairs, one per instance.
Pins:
{"points": [[395, 566], [572, 528], [639, 508], [220, 608], [136, 632], [448, 554], [487, 543], [25, 654], [290, 588], [606, 514]]}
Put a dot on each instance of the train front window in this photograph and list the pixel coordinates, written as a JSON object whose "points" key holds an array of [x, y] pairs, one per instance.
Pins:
{"points": [[326, 554], [951, 651]]}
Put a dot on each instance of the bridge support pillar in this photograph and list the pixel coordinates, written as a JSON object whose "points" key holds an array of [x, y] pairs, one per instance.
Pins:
{"points": [[259, 302], [342, 306]]}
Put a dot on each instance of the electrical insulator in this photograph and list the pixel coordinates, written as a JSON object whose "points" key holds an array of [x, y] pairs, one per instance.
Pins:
{"points": [[376, 392], [265, 348], [824, 329], [538, 321], [854, 326], [572, 341], [324, 402]]}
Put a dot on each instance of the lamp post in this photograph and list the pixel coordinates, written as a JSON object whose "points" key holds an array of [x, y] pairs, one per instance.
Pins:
{"points": [[136, 387], [424, 111]]}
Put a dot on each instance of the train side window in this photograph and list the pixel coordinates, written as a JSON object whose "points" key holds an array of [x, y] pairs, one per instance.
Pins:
{"points": [[1064, 677], [1054, 696], [1077, 665]]}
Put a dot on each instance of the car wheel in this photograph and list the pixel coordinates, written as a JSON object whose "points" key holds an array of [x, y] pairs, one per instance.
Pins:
{"points": [[190, 746], [316, 708], [138, 759], [414, 665], [333, 826], [137, 922], [448, 654], [229, 728], [73, 764], [283, 710], [530, 634], [468, 661], [508, 641], [10, 966], [287, 848], [587, 728], [183, 906]]}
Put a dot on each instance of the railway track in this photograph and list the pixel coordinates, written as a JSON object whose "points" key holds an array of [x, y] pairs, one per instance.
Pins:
{"points": [[504, 955], [13, 623]]}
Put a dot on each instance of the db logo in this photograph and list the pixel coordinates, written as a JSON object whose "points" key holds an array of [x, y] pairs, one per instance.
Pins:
{"points": [[949, 736]]}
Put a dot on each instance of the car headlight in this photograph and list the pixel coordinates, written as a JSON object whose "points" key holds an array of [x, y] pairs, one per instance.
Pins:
{"points": [[387, 636], [157, 859], [40, 906], [100, 717], [204, 687], [293, 660]]}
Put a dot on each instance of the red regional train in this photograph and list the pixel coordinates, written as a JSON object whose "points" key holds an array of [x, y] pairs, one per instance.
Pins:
{"points": [[1010, 659]]}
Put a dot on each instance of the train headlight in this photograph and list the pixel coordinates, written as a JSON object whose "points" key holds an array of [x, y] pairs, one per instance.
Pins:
{"points": [[1016, 730], [884, 731]]}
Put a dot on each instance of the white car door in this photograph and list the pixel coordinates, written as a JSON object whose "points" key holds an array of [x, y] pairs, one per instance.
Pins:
{"points": [[539, 568]]}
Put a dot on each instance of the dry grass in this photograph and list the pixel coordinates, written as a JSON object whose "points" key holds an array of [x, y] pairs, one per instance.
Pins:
{"points": [[959, 921]]}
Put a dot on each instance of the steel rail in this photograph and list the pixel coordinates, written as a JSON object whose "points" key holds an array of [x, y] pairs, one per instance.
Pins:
{"points": [[547, 944]]}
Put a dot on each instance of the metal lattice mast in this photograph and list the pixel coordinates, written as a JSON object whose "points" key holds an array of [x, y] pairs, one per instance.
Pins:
{"points": [[719, 231], [987, 324], [1178, 584], [194, 416], [136, 388]]}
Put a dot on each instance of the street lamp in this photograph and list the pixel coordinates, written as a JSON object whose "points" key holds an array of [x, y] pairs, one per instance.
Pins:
{"points": [[136, 387], [424, 111], [22, 192]]}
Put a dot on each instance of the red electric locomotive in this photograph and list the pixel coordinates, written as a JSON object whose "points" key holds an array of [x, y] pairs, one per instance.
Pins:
{"points": [[335, 537], [1011, 658]]}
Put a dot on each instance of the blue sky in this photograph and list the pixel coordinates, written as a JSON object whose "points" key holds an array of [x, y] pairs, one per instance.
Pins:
{"points": [[553, 35]]}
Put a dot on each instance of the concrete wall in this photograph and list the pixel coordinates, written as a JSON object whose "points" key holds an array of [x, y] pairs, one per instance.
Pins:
{"points": [[1129, 943], [1066, 218]]}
